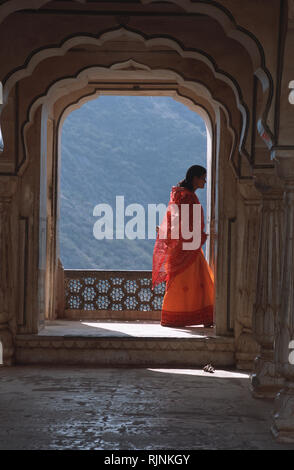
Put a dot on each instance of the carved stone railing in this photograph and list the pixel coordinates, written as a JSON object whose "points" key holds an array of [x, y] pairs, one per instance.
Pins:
{"points": [[111, 294]]}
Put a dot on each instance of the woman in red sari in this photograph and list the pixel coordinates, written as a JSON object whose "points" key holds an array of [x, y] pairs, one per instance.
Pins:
{"points": [[189, 295]]}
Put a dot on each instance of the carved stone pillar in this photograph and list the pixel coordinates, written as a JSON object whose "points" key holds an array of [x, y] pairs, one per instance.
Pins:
{"points": [[249, 220], [283, 426], [265, 380], [7, 189]]}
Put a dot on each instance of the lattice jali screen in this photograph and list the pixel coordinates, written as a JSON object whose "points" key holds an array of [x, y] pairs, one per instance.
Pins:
{"points": [[112, 290]]}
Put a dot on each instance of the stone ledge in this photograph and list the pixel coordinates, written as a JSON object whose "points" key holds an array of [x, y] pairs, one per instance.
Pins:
{"points": [[75, 314], [124, 351], [211, 344]]}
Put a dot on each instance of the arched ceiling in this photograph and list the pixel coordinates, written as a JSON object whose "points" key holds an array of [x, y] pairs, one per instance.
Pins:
{"points": [[224, 62], [53, 76], [154, 82]]}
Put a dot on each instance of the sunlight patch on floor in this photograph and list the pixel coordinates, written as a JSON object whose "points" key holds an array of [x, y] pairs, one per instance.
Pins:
{"points": [[147, 329], [224, 374]]}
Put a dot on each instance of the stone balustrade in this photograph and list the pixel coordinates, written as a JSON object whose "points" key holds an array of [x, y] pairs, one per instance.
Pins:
{"points": [[111, 294]]}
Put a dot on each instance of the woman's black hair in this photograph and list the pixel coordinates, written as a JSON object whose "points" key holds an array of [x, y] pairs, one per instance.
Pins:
{"points": [[194, 170]]}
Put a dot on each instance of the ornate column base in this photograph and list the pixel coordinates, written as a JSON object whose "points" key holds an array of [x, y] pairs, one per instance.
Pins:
{"points": [[283, 425], [6, 339], [265, 383], [246, 350]]}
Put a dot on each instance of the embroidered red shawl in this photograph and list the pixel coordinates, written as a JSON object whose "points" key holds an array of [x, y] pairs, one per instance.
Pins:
{"points": [[169, 257]]}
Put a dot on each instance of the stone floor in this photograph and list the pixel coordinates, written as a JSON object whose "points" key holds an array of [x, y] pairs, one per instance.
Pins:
{"points": [[148, 409]]}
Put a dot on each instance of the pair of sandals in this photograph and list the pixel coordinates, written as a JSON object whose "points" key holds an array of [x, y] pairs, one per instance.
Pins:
{"points": [[208, 368]]}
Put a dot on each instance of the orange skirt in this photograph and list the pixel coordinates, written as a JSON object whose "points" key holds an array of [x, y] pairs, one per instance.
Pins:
{"points": [[189, 299]]}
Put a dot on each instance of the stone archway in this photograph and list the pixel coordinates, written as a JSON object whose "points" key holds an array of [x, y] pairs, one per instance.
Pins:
{"points": [[247, 99], [59, 69], [72, 100], [158, 65]]}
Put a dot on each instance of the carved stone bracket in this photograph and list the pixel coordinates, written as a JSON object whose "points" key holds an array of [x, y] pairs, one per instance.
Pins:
{"points": [[8, 187]]}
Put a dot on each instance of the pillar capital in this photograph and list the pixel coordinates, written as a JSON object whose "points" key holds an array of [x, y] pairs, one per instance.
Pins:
{"points": [[268, 183], [284, 165], [8, 186], [249, 192]]}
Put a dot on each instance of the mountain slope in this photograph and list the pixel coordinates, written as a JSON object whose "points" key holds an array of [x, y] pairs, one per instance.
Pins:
{"points": [[136, 147]]}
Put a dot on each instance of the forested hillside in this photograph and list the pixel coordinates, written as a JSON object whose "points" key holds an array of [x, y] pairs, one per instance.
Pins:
{"points": [[136, 147]]}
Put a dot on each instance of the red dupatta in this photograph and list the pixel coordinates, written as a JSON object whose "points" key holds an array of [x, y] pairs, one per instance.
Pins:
{"points": [[169, 257]]}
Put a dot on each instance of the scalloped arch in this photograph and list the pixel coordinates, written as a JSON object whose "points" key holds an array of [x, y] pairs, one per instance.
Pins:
{"points": [[11, 6], [76, 104], [247, 39], [81, 79], [121, 32], [224, 17], [216, 11]]}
